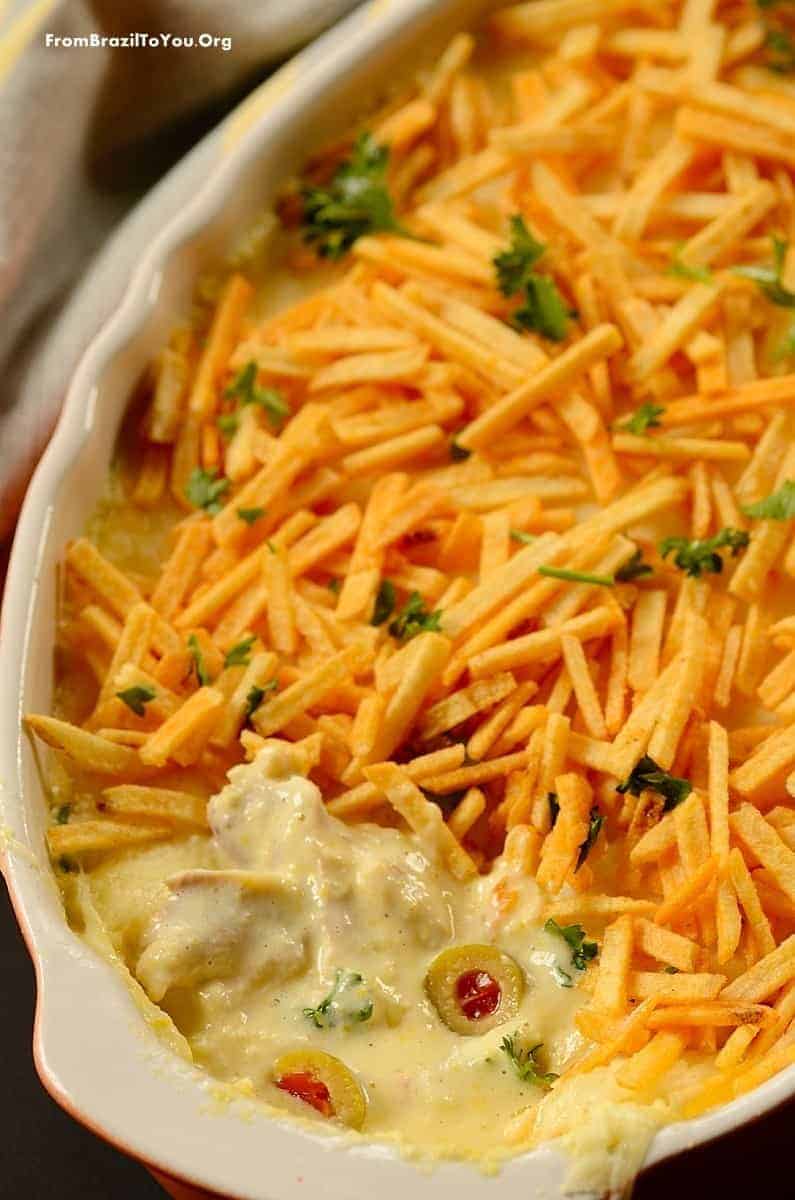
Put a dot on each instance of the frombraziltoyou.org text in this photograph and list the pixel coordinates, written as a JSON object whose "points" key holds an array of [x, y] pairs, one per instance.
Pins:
{"points": [[139, 41]]}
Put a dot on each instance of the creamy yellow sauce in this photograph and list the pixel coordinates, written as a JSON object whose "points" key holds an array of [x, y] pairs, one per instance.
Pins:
{"points": [[254, 926]]}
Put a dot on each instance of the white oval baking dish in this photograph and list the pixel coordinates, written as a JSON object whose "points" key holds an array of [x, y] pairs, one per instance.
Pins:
{"points": [[93, 1051]]}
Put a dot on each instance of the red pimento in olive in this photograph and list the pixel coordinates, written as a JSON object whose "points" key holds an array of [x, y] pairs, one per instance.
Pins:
{"points": [[474, 988], [323, 1083], [307, 1087], [478, 994]]}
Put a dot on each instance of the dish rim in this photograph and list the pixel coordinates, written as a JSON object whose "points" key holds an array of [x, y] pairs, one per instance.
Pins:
{"points": [[284, 99]]}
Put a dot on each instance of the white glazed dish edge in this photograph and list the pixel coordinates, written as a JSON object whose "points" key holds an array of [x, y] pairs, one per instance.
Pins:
{"points": [[93, 1052]]}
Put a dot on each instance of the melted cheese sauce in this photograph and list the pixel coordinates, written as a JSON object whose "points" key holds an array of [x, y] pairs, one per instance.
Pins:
{"points": [[232, 936], [236, 951]]}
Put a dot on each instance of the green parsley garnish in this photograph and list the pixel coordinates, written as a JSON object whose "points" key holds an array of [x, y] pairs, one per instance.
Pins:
{"points": [[671, 970], [414, 618], [648, 775], [251, 515], [336, 1009], [257, 694], [227, 423], [643, 418], [544, 309], [595, 823], [355, 202], [334, 585], [561, 977], [778, 506], [136, 698], [458, 453], [524, 1062], [574, 937], [781, 51], [384, 602], [202, 674], [694, 556], [254, 698], [634, 568], [685, 271], [768, 279], [62, 814], [204, 489], [515, 264], [245, 389], [240, 654], [519, 535], [577, 576]]}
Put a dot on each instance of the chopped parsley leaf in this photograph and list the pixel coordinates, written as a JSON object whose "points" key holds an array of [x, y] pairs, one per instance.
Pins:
{"points": [[781, 51], [595, 823], [414, 618], [335, 1008], [577, 576], [245, 389], [356, 201], [385, 601], [524, 1062], [251, 515], [544, 309], [136, 698], [574, 937], [204, 489], [256, 696], [648, 775], [227, 423], [643, 418], [634, 568], [514, 265], [694, 556], [334, 585], [778, 506], [768, 279], [62, 814], [202, 674], [239, 655], [519, 535], [561, 977]]}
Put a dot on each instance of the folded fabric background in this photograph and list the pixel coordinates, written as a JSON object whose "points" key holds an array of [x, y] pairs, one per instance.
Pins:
{"points": [[86, 131]]}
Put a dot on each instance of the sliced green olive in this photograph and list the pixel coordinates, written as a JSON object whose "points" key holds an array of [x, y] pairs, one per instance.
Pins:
{"points": [[474, 988], [324, 1083]]}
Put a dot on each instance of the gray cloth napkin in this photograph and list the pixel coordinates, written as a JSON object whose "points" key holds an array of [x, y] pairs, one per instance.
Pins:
{"points": [[86, 130]]}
